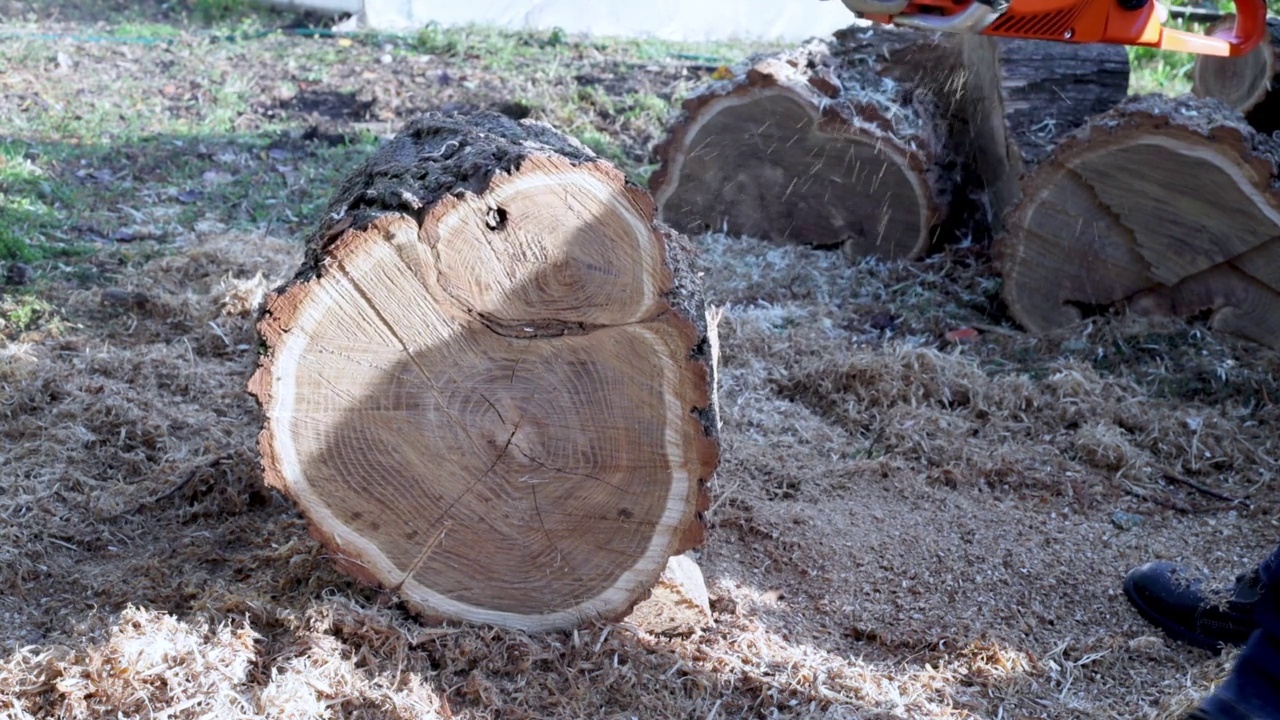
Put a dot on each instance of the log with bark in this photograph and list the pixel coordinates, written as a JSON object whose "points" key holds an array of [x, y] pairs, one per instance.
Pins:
{"points": [[880, 139], [817, 145], [1019, 97], [1249, 84], [1162, 206], [488, 387]]}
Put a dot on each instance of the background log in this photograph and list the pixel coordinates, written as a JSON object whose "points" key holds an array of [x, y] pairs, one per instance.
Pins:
{"points": [[488, 388], [815, 145], [1250, 84], [874, 139], [1164, 205]]}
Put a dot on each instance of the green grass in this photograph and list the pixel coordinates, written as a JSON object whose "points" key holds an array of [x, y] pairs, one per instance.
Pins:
{"points": [[159, 145], [23, 311], [240, 181], [117, 149], [219, 10], [1162, 71], [148, 30], [499, 48], [149, 140], [644, 108], [495, 47], [63, 200], [30, 199], [1159, 71], [600, 143]]}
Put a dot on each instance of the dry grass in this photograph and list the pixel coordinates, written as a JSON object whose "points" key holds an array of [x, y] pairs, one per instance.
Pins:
{"points": [[903, 528]]}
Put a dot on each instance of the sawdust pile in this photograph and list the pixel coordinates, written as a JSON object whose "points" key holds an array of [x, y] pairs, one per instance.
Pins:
{"points": [[903, 527]]}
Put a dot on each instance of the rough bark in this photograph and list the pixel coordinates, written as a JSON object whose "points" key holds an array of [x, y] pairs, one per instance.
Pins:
{"points": [[488, 386], [1018, 98], [1167, 206], [1249, 84], [814, 145]]}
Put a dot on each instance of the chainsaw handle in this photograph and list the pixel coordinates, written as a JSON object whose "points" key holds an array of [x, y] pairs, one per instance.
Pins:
{"points": [[1249, 29]]}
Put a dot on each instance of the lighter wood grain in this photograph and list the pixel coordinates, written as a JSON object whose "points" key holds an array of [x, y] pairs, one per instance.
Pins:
{"points": [[1189, 203], [1262, 263], [493, 418]]}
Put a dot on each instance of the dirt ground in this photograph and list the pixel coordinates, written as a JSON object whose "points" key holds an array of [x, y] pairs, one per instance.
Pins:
{"points": [[902, 527]]}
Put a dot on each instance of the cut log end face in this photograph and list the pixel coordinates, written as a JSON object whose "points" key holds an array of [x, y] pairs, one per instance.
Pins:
{"points": [[1141, 201], [1238, 81], [779, 160], [1243, 83], [488, 411]]}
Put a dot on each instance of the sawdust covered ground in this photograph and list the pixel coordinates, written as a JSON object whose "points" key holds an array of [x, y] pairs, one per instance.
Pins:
{"points": [[902, 528]]}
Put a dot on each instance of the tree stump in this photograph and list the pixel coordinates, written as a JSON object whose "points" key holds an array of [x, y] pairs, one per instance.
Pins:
{"points": [[1249, 84], [1166, 206], [488, 387], [815, 146]]}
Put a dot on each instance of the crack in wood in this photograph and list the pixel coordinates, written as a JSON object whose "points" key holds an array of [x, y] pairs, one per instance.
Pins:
{"points": [[386, 323], [1130, 238], [368, 300], [562, 471], [538, 511], [472, 486]]}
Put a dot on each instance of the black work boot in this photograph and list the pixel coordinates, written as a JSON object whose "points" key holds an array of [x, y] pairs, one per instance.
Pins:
{"points": [[1181, 607], [1252, 690]]}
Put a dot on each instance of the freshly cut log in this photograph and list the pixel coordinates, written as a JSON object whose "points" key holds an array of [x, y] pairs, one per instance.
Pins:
{"points": [[1168, 203], [488, 386], [1019, 97], [1250, 84], [1049, 88], [815, 145], [876, 138]]}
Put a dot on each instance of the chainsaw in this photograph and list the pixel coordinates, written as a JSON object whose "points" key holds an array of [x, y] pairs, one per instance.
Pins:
{"points": [[1122, 22]]}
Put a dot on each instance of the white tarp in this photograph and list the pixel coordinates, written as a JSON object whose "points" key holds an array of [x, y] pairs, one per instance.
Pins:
{"points": [[785, 20]]}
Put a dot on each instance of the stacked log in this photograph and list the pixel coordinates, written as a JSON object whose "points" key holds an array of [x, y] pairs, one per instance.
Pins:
{"points": [[883, 140], [1021, 97], [1163, 207], [488, 387]]}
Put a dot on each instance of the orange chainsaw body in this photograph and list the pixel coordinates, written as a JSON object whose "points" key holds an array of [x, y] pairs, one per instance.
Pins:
{"points": [[1122, 22]]}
